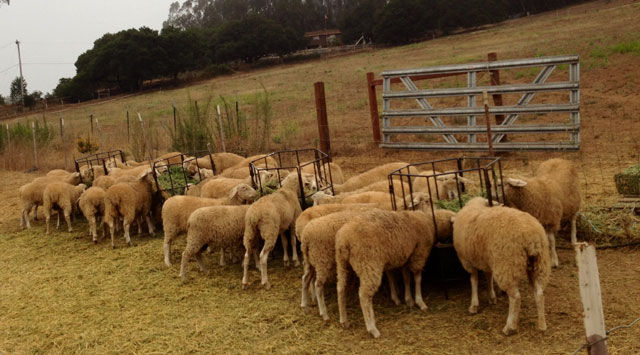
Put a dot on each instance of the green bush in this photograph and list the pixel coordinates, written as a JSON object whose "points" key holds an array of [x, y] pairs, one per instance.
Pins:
{"points": [[193, 131], [20, 133], [627, 47]]}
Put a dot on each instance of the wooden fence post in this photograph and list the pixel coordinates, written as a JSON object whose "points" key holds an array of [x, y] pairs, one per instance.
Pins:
{"points": [[485, 97], [99, 134], [91, 131], [8, 136], [373, 109], [495, 80], [35, 149], [323, 124], [128, 127], [224, 149], [64, 143], [175, 118], [591, 298], [147, 143]]}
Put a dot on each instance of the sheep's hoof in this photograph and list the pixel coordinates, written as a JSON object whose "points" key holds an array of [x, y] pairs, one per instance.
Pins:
{"points": [[375, 333], [473, 309], [296, 263], [95, 242], [129, 244], [422, 306], [113, 246], [555, 263], [542, 327], [493, 299], [508, 330], [168, 263], [286, 263], [396, 301], [245, 286], [409, 302], [325, 317], [267, 285], [345, 324], [305, 309]]}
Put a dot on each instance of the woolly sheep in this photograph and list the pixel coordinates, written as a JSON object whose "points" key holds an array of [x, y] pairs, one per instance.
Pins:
{"points": [[376, 241], [219, 187], [336, 171], [177, 209], [92, 206], [118, 172], [173, 158], [508, 245], [222, 161], [380, 186], [59, 172], [369, 177], [552, 196], [104, 182], [241, 170], [62, 197], [218, 227], [442, 187], [269, 217], [31, 194], [130, 200], [314, 212], [195, 189]]}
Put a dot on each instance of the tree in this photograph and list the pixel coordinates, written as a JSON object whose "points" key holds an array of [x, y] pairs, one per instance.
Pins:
{"points": [[402, 21], [185, 50], [4, 2], [2, 100], [360, 20], [16, 93]]}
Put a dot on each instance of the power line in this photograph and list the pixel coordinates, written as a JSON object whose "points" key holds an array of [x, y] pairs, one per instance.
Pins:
{"points": [[8, 68], [44, 63]]}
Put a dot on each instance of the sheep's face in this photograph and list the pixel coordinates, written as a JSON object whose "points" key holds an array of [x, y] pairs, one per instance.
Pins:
{"points": [[309, 182], [512, 189], [244, 193], [206, 173], [320, 197]]}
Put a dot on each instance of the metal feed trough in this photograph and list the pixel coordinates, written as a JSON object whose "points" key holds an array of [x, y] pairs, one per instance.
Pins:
{"points": [[100, 159], [485, 172], [177, 186], [296, 159]]}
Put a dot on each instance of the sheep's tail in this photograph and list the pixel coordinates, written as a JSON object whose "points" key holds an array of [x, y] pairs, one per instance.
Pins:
{"points": [[343, 253], [111, 205], [538, 260]]}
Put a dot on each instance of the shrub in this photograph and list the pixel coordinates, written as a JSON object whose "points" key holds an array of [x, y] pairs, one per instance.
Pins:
{"points": [[193, 131]]}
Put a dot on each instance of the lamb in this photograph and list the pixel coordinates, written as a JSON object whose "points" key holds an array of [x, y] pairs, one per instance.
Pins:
{"points": [[552, 196], [216, 227], [445, 188], [129, 200], [171, 158], [118, 172], [380, 186], [222, 161], [177, 209], [269, 217], [336, 171], [376, 241], [104, 182], [241, 170], [508, 245], [319, 211], [318, 249], [369, 177], [31, 194], [62, 197], [220, 187], [92, 206]]}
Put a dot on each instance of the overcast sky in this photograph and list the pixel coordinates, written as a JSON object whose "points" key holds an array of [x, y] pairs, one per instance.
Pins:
{"points": [[53, 33]]}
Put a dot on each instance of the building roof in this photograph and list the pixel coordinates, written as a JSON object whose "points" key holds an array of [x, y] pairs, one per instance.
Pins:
{"points": [[329, 32]]}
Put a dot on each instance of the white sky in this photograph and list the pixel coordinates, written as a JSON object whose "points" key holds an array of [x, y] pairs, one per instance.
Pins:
{"points": [[58, 31]]}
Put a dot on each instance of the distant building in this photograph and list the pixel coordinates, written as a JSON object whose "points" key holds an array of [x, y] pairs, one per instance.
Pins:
{"points": [[322, 38]]}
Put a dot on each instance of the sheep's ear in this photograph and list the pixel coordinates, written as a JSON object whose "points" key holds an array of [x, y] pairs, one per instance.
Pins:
{"points": [[466, 181], [144, 174], [234, 192], [444, 177], [516, 182], [453, 219], [76, 175]]}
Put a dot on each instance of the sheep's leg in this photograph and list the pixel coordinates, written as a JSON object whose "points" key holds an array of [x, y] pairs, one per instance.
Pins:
{"points": [[294, 247], [539, 296], [285, 246], [552, 246], [342, 275], [406, 277], [112, 231], [93, 229], [256, 258], [222, 263], [492, 292], [186, 256], [245, 267], [514, 311], [264, 257], [140, 226], [368, 287], [322, 306], [47, 217], [35, 212], [574, 231], [58, 220], [203, 267], [306, 282], [67, 217], [473, 309], [22, 219], [126, 225], [152, 230], [417, 277]]}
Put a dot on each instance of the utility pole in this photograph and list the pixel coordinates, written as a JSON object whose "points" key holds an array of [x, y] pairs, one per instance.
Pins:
{"points": [[21, 77]]}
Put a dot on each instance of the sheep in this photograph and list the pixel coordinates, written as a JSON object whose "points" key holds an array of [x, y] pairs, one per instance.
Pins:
{"points": [[336, 172], [91, 172], [196, 189], [241, 170], [269, 217], [319, 211], [552, 196], [442, 187], [222, 161], [380, 186], [62, 197], [219, 187], [129, 200], [177, 209], [318, 250], [91, 204], [171, 158], [104, 182], [31, 194], [59, 172], [136, 171], [508, 245], [216, 227], [370, 176], [376, 241]]}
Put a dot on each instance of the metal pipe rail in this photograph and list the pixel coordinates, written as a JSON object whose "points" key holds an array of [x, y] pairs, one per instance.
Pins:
{"points": [[478, 90]]}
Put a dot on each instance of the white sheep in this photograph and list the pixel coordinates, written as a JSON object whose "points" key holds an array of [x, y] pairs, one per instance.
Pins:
{"points": [[104, 182], [323, 197], [508, 245], [92, 206], [177, 209], [220, 187], [31, 194], [218, 227], [222, 161], [62, 197], [369, 177], [269, 217], [337, 177], [376, 241], [552, 196], [129, 201]]}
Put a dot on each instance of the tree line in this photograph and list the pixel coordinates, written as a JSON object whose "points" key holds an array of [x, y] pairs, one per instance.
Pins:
{"points": [[206, 35]]}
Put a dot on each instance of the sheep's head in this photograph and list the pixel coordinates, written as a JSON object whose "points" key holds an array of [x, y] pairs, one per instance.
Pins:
{"points": [[147, 177], [206, 173], [420, 201], [242, 193], [477, 202], [309, 181], [75, 178], [448, 187], [444, 224], [321, 197]]}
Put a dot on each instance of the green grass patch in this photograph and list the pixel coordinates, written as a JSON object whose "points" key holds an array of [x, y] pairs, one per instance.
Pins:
{"points": [[176, 175], [627, 47]]}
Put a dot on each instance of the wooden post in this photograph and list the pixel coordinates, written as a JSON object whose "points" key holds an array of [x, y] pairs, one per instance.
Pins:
{"points": [[146, 138], [224, 149], [485, 97], [91, 131], [8, 136], [495, 80], [64, 143], [323, 125], [35, 148], [128, 126], [175, 120], [373, 109], [99, 134], [591, 298]]}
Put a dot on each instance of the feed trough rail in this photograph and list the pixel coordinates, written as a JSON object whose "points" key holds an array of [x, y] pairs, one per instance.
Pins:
{"points": [[294, 161], [453, 136], [100, 159], [485, 172], [174, 178]]}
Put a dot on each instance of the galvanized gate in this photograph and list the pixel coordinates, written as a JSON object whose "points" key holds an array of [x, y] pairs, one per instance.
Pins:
{"points": [[438, 129]]}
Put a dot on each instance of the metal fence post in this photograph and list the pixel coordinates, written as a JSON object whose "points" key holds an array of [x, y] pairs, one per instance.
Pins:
{"points": [[35, 149], [323, 125], [373, 109], [224, 148], [495, 81]]}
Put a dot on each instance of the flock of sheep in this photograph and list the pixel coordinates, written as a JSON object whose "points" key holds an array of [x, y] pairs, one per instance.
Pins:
{"points": [[355, 231]]}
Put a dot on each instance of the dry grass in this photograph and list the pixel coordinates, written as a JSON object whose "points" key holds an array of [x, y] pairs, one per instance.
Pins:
{"points": [[61, 294]]}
